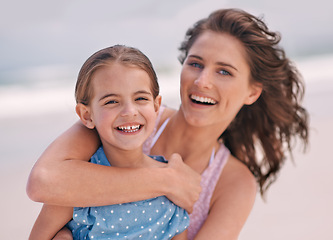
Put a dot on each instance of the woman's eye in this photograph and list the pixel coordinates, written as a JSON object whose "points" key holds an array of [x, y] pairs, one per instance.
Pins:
{"points": [[224, 72], [196, 65]]}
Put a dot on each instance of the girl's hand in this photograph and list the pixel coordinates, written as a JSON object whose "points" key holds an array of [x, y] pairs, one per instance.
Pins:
{"points": [[184, 183]]}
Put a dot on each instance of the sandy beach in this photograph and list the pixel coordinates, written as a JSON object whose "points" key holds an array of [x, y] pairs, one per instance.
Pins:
{"points": [[298, 205]]}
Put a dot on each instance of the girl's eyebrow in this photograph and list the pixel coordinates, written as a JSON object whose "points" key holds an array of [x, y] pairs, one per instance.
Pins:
{"points": [[108, 95], [143, 92], [117, 95], [223, 64]]}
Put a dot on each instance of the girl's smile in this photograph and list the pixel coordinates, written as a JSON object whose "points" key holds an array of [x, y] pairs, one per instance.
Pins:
{"points": [[130, 128]]}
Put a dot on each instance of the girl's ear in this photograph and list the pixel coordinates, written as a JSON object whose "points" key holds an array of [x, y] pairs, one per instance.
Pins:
{"points": [[157, 103], [84, 112], [255, 92]]}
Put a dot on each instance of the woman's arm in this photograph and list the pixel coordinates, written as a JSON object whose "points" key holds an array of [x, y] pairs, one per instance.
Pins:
{"points": [[54, 176], [181, 236], [50, 221], [63, 234], [231, 203], [63, 176]]}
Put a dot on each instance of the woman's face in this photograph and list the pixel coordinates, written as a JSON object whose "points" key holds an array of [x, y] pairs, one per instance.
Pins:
{"points": [[215, 81]]}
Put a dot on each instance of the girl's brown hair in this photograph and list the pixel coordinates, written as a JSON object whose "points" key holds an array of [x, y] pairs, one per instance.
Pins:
{"points": [[277, 117], [120, 54]]}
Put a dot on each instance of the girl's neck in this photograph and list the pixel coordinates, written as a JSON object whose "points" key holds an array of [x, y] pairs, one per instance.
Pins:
{"points": [[125, 158]]}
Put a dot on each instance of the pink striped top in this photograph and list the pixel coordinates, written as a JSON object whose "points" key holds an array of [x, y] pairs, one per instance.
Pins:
{"points": [[209, 179]]}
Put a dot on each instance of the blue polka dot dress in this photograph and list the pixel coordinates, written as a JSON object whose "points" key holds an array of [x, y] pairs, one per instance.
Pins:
{"points": [[156, 218]]}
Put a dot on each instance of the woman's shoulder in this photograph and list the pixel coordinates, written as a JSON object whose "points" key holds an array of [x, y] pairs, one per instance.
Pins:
{"points": [[167, 112], [236, 179], [238, 172], [233, 199]]}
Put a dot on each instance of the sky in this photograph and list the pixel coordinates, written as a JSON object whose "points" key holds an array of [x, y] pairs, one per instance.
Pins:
{"points": [[39, 34]]}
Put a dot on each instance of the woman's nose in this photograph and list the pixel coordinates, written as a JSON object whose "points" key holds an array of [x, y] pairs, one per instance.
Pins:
{"points": [[204, 80]]}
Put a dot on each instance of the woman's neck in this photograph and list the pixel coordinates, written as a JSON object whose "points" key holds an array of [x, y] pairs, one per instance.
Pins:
{"points": [[194, 144]]}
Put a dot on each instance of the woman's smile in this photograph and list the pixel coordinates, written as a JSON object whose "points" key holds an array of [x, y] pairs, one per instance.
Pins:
{"points": [[202, 100]]}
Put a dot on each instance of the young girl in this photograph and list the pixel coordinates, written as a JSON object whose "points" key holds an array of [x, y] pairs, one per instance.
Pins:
{"points": [[117, 94]]}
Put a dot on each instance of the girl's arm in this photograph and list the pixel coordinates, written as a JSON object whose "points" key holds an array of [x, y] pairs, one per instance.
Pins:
{"points": [[50, 221], [231, 203], [63, 176]]}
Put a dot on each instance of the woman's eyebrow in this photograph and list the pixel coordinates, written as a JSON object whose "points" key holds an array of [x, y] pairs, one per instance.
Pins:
{"points": [[195, 56], [227, 65], [217, 63]]}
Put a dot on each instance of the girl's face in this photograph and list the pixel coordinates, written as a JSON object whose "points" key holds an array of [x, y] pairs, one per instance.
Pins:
{"points": [[215, 81], [122, 109]]}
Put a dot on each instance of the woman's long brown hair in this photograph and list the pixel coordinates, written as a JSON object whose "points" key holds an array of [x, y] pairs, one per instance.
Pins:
{"points": [[262, 134]]}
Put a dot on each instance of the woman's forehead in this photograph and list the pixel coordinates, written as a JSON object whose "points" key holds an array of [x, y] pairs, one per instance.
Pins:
{"points": [[219, 47]]}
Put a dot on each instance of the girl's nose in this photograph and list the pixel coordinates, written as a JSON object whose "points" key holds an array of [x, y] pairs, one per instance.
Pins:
{"points": [[204, 80], [129, 110]]}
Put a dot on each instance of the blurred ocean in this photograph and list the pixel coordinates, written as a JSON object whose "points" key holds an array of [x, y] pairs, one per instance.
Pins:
{"points": [[50, 89]]}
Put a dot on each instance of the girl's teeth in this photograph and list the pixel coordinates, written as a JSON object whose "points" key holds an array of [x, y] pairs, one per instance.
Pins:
{"points": [[129, 128]]}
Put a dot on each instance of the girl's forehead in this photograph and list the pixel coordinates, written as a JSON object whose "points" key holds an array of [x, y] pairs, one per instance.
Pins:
{"points": [[121, 77]]}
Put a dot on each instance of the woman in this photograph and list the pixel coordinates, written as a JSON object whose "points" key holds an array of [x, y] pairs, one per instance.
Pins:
{"points": [[239, 95]]}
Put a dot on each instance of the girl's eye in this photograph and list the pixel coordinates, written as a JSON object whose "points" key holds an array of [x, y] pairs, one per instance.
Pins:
{"points": [[224, 72], [141, 99], [111, 102]]}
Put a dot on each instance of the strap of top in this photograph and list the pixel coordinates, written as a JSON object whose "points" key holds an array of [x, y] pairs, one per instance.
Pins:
{"points": [[159, 132], [212, 157], [148, 143]]}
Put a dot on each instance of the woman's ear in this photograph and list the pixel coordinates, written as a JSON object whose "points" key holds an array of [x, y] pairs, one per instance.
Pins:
{"points": [[157, 103], [84, 112], [255, 92]]}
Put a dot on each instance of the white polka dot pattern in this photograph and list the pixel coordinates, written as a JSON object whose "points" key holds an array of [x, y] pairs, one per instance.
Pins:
{"points": [[156, 218]]}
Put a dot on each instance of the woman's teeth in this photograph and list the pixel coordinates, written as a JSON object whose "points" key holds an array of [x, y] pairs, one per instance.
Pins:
{"points": [[203, 100], [129, 129]]}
